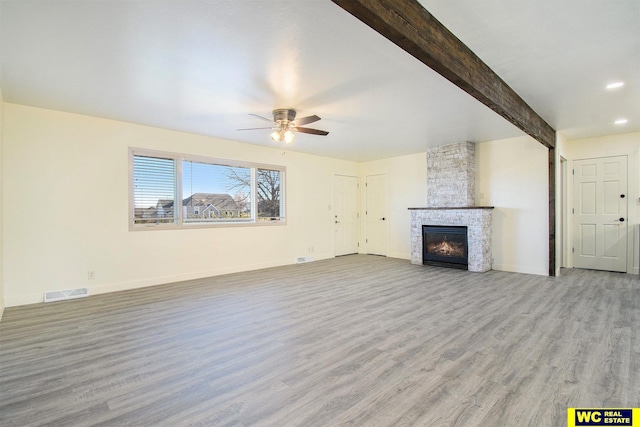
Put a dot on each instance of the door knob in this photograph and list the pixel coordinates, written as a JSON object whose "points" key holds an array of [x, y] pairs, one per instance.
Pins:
{"points": [[337, 222], [622, 196], [383, 218], [621, 220]]}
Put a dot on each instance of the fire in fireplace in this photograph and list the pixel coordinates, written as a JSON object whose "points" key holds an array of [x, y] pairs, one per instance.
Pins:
{"points": [[445, 246]]}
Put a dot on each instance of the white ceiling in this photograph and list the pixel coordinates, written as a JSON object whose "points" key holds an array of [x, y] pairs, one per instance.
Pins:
{"points": [[202, 66]]}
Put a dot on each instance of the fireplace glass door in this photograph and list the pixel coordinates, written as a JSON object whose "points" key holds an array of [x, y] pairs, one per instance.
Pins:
{"points": [[445, 246]]}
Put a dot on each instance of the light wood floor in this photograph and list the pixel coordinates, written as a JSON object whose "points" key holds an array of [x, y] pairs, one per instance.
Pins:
{"points": [[357, 340]]}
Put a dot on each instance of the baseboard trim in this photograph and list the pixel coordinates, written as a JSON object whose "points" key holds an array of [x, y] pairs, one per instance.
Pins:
{"points": [[400, 256], [162, 280], [520, 269]]}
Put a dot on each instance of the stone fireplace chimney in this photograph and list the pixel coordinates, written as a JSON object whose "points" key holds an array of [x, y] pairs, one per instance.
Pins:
{"points": [[451, 174]]}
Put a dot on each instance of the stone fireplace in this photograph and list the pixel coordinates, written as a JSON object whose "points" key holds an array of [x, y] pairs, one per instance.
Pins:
{"points": [[451, 206]]}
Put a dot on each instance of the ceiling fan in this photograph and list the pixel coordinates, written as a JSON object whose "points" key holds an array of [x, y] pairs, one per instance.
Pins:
{"points": [[286, 124]]}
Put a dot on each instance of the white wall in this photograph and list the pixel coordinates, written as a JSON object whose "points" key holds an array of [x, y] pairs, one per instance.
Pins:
{"points": [[407, 188], [2, 300], [562, 246], [66, 208], [603, 146], [612, 145], [512, 175]]}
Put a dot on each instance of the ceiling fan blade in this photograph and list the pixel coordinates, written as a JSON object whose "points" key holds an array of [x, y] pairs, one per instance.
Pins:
{"points": [[262, 118], [312, 131], [257, 128], [306, 120]]}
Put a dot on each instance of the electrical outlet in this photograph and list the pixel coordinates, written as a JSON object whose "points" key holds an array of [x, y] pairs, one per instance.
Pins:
{"points": [[91, 274]]}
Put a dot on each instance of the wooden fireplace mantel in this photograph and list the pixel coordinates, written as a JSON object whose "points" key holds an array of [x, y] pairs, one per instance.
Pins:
{"points": [[450, 208]]}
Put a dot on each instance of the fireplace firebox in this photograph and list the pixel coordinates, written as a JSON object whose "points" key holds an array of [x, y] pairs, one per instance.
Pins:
{"points": [[445, 246]]}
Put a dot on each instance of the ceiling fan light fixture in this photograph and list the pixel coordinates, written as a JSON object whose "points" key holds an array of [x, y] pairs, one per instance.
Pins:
{"points": [[285, 126], [288, 136], [276, 136]]}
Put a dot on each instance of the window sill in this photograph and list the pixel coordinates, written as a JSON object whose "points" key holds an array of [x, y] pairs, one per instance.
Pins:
{"points": [[189, 226]]}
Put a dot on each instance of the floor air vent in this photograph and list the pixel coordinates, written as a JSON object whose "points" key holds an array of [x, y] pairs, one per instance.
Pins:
{"points": [[304, 259], [66, 294]]}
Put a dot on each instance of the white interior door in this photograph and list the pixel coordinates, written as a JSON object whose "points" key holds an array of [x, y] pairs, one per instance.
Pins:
{"points": [[600, 214], [346, 214], [376, 214]]}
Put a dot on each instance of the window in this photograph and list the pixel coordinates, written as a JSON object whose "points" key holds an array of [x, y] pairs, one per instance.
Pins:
{"points": [[268, 189], [154, 190], [172, 190], [215, 193]]}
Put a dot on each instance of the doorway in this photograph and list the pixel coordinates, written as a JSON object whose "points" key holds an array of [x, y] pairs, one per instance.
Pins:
{"points": [[346, 214], [564, 245], [600, 213], [376, 214]]}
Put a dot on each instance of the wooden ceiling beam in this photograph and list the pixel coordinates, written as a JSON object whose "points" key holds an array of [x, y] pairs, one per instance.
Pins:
{"points": [[410, 26]]}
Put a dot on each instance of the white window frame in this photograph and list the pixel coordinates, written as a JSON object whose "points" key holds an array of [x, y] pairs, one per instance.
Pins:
{"points": [[179, 223]]}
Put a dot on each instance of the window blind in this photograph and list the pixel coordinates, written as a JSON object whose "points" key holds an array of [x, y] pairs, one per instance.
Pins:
{"points": [[154, 190]]}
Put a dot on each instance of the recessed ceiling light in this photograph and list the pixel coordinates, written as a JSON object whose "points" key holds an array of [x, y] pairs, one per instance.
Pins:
{"points": [[621, 121], [615, 85]]}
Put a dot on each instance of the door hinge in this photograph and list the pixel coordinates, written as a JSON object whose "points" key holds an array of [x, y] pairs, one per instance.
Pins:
{"points": [[573, 171], [573, 210], [358, 244], [366, 240], [573, 250]]}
